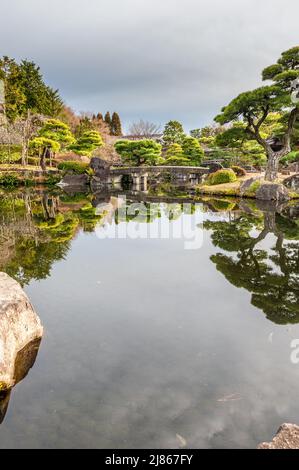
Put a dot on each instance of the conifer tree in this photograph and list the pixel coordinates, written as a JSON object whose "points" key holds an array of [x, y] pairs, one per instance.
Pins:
{"points": [[116, 124], [107, 119]]}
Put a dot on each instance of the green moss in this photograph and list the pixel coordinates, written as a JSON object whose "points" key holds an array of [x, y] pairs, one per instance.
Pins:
{"points": [[251, 191]]}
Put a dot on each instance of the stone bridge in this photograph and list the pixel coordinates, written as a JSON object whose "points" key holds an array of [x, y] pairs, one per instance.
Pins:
{"points": [[104, 174]]}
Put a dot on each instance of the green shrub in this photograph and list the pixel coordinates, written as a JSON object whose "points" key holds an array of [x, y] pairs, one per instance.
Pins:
{"points": [[78, 168], [239, 171], [9, 180], [292, 157], [36, 161], [10, 153], [221, 177], [33, 161]]}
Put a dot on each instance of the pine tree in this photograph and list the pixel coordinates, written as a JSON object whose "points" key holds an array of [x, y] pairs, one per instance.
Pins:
{"points": [[100, 117], [116, 124], [107, 119], [173, 133]]}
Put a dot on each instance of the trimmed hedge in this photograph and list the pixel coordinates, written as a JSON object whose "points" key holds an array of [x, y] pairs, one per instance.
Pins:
{"points": [[78, 168], [239, 171], [221, 177]]}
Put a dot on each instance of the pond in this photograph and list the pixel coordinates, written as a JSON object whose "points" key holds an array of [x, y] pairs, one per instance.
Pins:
{"points": [[150, 342]]}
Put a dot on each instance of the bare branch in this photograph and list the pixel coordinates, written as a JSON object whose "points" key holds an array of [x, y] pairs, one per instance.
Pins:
{"points": [[144, 128]]}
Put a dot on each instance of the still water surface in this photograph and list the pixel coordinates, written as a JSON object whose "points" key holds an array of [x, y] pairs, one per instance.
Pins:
{"points": [[147, 344]]}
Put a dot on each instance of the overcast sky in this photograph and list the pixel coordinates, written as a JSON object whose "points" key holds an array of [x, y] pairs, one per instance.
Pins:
{"points": [[155, 59]]}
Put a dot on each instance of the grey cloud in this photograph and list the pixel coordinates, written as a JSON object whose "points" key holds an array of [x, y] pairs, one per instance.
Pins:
{"points": [[180, 59]]}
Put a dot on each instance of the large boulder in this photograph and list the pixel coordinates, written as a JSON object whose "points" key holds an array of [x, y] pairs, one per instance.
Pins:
{"points": [[245, 185], [272, 192], [287, 437], [292, 182], [100, 167], [20, 327]]}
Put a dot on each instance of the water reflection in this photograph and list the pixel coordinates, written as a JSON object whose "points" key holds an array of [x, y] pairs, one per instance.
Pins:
{"points": [[270, 272], [163, 338], [36, 230], [24, 361]]}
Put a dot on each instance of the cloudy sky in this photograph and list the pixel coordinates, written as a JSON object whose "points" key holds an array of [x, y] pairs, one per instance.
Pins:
{"points": [[155, 59]]}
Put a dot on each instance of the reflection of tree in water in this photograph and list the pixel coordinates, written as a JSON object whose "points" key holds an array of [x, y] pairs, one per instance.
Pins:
{"points": [[36, 230], [271, 276], [148, 212]]}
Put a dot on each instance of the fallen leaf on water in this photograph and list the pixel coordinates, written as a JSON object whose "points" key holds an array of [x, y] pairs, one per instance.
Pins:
{"points": [[181, 440]]}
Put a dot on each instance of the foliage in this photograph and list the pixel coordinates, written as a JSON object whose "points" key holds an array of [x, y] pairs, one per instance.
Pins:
{"points": [[116, 124], [174, 150], [77, 168], [253, 108], [270, 276], [178, 160], [221, 177], [58, 131], [207, 133], [9, 180], [173, 133], [25, 90], [242, 147], [140, 152], [192, 150], [107, 119], [292, 157], [52, 180], [239, 171], [10, 153], [38, 144], [87, 143]]}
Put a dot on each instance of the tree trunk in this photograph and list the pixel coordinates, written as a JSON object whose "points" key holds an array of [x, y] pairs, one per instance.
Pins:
{"points": [[25, 139], [272, 166], [43, 159]]}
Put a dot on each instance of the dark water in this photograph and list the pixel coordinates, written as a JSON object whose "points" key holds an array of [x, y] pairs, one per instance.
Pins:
{"points": [[148, 344]]}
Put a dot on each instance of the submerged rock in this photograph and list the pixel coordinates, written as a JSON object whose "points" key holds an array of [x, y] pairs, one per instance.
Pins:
{"points": [[20, 333], [75, 180], [272, 192], [287, 437]]}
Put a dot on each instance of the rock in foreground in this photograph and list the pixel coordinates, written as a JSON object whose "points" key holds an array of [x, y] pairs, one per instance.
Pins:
{"points": [[287, 437], [19, 327], [272, 192]]}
